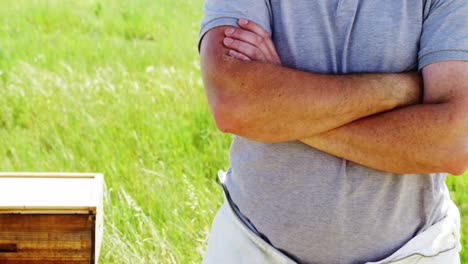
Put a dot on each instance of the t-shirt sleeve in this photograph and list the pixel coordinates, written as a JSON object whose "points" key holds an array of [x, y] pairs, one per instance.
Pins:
{"points": [[445, 32], [228, 12]]}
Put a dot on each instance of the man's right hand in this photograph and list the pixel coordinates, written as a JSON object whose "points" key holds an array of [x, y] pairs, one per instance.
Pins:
{"points": [[250, 42]]}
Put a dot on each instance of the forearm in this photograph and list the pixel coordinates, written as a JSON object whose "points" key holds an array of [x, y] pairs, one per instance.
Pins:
{"points": [[418, 139], [267, 102]]}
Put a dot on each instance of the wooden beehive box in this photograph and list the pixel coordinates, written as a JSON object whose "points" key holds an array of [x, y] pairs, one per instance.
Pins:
{"points": [[50, 217]]}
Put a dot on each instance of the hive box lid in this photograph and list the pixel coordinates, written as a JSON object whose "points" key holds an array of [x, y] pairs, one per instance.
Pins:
{"points": [[50, 193]]}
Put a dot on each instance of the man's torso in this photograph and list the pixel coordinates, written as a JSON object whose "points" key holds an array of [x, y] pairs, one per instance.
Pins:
{"points": [[317, 207]]}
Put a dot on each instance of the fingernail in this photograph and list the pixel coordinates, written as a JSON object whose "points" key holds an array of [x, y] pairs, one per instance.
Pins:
{"points": [[228, 41], [229, 31], [243, 21]]}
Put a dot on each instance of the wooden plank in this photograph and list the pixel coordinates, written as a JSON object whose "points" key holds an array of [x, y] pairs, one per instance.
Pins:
{"points": [[43, 238], [64, 256], [31, 245], [39, 222]]}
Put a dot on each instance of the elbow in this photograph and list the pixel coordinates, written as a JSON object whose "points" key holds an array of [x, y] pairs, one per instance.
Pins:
{"points": [[239, 122], [221, 99], [456, 141], [225, 118], [233, 107], [237, 115], [456, 161], [456, 158], [228, 111], [457, 169], [233, 111]]}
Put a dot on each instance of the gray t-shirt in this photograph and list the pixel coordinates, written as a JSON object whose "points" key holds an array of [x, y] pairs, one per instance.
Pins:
{"points": [[316, 207]]}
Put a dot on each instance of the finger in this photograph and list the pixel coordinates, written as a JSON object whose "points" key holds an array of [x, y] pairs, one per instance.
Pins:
{"points": [[257, 29], [245, 48], [238, 55], [254, 27], [249, 37]]}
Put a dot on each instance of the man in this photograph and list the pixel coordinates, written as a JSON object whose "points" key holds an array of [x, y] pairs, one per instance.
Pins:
{"points": [[347, 114]]}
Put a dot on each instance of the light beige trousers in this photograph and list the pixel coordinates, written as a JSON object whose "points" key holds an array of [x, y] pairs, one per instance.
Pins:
{"points": [[232, 241]]}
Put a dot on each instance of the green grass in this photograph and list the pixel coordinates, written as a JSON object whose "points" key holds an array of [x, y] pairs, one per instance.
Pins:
{"points": [[114, 87]]}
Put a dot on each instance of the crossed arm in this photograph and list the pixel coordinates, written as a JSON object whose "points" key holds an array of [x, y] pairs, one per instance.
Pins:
{"points": [[371, 119]]}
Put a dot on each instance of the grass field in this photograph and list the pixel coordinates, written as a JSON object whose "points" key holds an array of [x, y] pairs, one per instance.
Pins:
{"points": [[114, 87]]}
